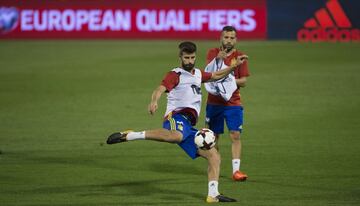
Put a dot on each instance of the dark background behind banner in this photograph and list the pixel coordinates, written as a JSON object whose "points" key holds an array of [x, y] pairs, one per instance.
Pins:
{"points": [[285, 18]]}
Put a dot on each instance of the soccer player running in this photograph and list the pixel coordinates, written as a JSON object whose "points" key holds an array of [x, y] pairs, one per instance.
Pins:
{"points": [[218, 109], [183, 85]]}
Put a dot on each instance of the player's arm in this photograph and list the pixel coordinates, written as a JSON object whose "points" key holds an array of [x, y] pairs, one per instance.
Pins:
{"points": [[224, 72], [241, 82], [241, 75], [153, 106]]}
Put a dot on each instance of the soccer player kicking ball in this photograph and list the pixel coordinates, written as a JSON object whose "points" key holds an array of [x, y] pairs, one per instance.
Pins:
{"points": [[183, 85]]}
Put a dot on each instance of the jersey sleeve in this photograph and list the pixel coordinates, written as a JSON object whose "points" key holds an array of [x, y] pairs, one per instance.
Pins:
{"points": [[170, 81], [205, 76], [242, 70]]}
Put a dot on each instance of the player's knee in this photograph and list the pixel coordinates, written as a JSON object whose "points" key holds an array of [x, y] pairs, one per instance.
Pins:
{"points": [[235, 135], [214, 156], [175, 136]]}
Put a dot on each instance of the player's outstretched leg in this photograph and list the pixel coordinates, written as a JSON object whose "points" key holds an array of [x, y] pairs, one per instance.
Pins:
{"points": [[161, 135], [214, 160]]}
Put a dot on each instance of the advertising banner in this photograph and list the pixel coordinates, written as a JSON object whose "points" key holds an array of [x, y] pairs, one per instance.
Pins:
{"points": [[314, 21], [329, 24], [132, 19]]}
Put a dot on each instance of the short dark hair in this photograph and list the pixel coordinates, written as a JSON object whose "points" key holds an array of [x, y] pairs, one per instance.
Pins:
{"points": [[187, 47], [229, 28]]}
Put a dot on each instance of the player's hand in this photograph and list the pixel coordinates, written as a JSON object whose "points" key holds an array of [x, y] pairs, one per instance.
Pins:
{"points": [[153, 106], [240, 60], [222, 54]]}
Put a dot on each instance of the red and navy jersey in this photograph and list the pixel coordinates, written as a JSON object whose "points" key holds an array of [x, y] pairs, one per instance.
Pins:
{"points": [[240, 71]]}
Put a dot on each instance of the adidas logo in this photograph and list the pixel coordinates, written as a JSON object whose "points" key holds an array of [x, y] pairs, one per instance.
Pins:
{"points": [[330, 24]]}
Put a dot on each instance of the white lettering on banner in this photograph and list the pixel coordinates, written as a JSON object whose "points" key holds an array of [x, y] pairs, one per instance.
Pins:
{"points": [[141, 20], [68, 20], [75, 20], [39, 23], [123, 20], [234, 17], [108, 21], [152, 20], [182, 25], [172, 16], [26, 20], [201, 18], [219, 20], [94, 20], [248, 18], [54, 20], [82, 18], [147, 20]]}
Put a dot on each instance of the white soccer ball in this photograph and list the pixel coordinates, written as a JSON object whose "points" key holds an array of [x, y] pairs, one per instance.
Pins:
{"points": [[205, 139]]}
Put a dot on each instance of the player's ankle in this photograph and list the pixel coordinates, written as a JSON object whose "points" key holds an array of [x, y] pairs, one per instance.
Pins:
{"points": [[135, 136]]}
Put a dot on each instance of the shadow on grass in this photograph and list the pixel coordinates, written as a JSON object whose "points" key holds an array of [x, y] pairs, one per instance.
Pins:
{"points": [[177, 168], [307, 185], [128, 192], [157, 190]]}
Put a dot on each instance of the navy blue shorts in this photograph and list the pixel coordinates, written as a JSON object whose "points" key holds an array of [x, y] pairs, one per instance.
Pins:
{"points": [[216, 114], [180, 123]]}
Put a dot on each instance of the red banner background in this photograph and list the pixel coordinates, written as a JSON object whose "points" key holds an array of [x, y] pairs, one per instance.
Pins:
{"points": [[135, 19]]}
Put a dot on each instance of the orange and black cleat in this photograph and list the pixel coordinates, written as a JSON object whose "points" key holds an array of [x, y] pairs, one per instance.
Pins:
{"points": [[239, 176]]}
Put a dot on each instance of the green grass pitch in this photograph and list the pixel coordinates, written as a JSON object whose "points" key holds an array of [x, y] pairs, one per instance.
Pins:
{"points": [[60, 99]]}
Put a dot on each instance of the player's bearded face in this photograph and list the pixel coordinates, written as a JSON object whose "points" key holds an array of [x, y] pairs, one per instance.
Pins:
{"points": [[228, 47], [228, 40], [188, 61], [187, 67]]}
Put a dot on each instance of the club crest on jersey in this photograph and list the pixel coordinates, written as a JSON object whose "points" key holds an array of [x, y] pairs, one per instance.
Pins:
{"points": [[180, 125], [233, 61]]}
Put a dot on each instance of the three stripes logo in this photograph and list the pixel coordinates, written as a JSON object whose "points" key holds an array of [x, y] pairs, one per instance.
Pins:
{"points": [[330, 24]]}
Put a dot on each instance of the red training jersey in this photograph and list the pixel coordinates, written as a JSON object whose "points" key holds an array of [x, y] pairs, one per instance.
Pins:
{"points": [[240, 71]]}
